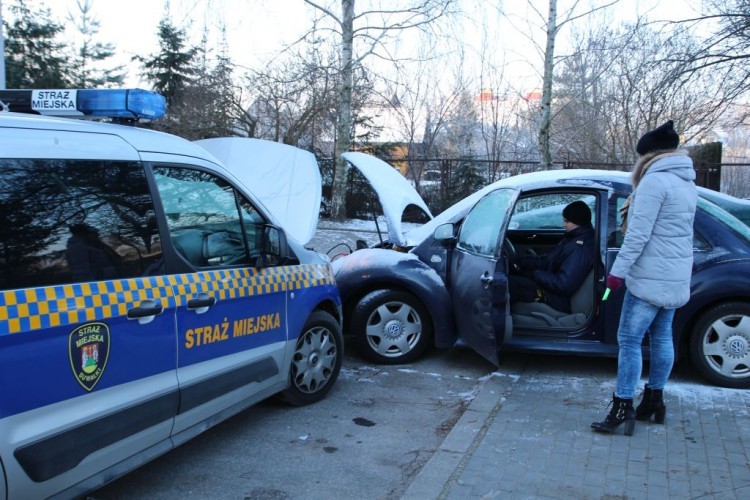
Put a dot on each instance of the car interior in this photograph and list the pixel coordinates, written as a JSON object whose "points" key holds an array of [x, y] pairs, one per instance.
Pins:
{"points": [[535, 227]]}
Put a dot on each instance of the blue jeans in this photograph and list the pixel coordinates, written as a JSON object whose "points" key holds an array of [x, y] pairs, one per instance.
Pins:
{"points": [[638, 317]]}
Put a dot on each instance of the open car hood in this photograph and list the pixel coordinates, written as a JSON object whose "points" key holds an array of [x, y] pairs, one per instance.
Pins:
{"points": [[393, 190], [284, 178]]}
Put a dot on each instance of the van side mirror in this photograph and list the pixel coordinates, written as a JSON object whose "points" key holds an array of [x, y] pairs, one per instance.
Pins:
{"points": [[275, 250]]}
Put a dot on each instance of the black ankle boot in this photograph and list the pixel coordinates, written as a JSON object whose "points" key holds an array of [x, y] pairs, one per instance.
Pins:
{"points": [[622, 411], [652, 403]]}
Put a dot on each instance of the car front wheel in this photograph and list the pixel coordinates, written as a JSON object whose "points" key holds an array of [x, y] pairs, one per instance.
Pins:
{"points": [[720, 345], [391, 327], [317, 360]]}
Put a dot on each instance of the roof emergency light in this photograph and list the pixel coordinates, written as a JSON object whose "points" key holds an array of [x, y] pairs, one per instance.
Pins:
{"points": [[129, 104]]}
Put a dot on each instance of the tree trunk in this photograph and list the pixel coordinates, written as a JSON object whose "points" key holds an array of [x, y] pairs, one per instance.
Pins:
{"points": [[2, 51], [344, 126], [546, 111]]}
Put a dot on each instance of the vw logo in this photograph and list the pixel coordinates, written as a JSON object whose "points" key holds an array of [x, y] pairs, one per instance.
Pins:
{"points": [[737, 346], [394, 330]]}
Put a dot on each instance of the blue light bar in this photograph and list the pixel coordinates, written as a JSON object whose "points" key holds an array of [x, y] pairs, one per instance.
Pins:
{"points": [[131, 104]]}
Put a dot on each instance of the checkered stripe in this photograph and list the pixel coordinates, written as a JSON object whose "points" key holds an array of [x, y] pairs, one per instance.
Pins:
{"points": [[36, 308], [310, 276]]}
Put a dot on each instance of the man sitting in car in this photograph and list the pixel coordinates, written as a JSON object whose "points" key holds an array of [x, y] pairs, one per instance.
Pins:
{"points": [[552, 278]]}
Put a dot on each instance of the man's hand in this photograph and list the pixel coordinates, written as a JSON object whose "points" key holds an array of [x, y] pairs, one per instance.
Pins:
{"points": [[614, 283]]}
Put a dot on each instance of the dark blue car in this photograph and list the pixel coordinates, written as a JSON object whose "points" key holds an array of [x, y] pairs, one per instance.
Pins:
{"points": [[448, 279]]}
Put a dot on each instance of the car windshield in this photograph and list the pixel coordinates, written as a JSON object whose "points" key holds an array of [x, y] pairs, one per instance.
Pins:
{"points": [[722, 215]]}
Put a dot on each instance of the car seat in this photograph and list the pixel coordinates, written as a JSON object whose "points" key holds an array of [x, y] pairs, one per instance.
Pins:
{"points": [[540, 315]]}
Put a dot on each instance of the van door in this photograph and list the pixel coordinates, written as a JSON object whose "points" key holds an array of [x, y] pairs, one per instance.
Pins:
{"points": [[87, 321], [479, 283], [231, 307]]}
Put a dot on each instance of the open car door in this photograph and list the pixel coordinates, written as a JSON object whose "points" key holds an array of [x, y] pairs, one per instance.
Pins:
{"points": [[479, 275]]}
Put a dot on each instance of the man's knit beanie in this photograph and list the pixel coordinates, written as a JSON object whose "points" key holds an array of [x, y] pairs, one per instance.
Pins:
{"points": [[578, 213]]}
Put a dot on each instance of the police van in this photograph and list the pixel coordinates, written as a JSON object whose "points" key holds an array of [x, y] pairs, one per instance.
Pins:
{"points": [[145, 294]]}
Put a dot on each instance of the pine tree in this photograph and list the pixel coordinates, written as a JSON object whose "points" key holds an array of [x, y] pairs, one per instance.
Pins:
{"points": [[206, 106], [173, 68], [91, 54], [34, 56]]}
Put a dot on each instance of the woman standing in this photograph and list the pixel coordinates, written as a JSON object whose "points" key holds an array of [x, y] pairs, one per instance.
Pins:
{"points": [[655, 263]]}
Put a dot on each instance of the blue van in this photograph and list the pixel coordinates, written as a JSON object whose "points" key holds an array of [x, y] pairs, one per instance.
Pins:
{"points": [[145, 295]]}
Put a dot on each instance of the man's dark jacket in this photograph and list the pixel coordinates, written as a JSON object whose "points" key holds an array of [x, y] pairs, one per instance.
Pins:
{"points": [[561, 272]]}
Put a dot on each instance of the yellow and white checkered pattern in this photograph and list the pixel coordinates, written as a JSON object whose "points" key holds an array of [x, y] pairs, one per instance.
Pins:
{"points": [[36, 308]]}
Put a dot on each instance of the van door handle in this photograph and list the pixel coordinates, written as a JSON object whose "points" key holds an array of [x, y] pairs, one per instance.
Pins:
{"points": [[145, 312], [201, 302]]}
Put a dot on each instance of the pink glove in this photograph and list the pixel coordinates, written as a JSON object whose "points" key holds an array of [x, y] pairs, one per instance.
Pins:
{"points": [[614, 283]]}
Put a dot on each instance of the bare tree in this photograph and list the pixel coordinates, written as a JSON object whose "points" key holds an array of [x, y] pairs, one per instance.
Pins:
{"points": [[371, 30], [552, 29], [586, 117], [545, 119], [498, 111], [294, 100], [626, 80], [420, 100], [726, 51]]}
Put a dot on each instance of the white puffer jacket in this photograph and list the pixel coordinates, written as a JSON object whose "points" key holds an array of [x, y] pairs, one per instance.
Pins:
{"points": [[656, 257]]}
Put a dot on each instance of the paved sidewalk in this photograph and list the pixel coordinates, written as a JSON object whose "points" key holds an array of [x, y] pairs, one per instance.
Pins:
{"points": [[527, 435]]}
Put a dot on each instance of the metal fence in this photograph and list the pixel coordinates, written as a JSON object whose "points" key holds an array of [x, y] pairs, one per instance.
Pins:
{"points": [[442, 182]]}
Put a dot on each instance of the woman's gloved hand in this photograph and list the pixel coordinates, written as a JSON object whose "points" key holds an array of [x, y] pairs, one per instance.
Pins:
{"points": [[614, 283]]}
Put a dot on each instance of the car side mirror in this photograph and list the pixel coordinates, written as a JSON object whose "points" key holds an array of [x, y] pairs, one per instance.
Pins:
{"points": [[445, 232]]}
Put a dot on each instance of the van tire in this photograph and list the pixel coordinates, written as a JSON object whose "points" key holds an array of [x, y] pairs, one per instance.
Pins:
{"points": [[316, 361]]}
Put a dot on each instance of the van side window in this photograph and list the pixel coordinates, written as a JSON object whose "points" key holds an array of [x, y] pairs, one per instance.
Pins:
{"points": [[210, 224], [70, 221]]}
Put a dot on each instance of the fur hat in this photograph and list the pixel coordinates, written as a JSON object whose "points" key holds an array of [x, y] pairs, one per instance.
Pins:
{"points": [[661, 138], [578, 213]]}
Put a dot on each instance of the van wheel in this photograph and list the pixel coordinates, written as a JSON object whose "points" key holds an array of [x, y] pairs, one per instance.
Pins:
{"points": [[720, 345], [391, 327], [317, 360]]}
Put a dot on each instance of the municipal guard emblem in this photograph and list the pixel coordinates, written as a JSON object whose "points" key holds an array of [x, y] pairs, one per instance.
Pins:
{"points": [[88, 348]]}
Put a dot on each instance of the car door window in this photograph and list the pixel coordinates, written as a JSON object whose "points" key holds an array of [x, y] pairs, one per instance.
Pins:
{"points": [[481, 228], [210, 223], [68, 221], [545, 211]]}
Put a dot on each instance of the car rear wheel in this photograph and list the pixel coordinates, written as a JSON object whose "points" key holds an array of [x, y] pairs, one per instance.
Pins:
{"points": [[720, 345], [317, 360], [391, 327]]}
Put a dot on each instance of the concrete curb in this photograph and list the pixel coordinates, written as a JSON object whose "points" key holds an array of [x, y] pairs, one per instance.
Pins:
{"points": [[446, 463]]}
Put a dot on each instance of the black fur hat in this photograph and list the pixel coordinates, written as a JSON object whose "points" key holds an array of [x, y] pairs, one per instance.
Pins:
{"points": [[661, 138]]}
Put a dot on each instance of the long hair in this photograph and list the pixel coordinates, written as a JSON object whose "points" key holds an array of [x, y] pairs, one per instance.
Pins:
{"points": [[644, 162]]}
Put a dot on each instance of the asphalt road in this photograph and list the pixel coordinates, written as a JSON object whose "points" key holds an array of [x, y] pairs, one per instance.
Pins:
{"points": [[367, 439]]}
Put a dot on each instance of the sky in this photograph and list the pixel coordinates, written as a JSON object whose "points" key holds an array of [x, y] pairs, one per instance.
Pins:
{"points": [[257, 29]]}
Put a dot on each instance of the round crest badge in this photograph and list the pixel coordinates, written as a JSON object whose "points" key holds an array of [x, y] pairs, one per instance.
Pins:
{"points": [[88, 348]]}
